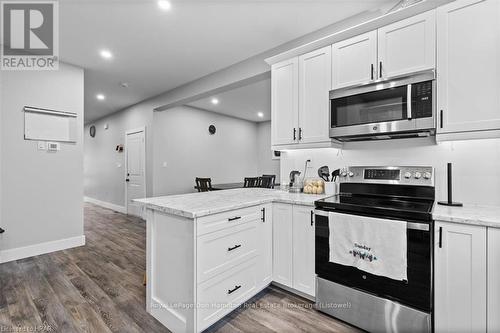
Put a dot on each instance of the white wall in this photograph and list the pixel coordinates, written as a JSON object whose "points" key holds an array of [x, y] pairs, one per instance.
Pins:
{"points": [[476, 163], [41, 192], [182, 141], [266, 164], [104, 168]]}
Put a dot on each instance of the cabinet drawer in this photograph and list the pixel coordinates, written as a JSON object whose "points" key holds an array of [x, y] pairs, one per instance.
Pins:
{"points": [[222, 294], [224, 249], [228, 219]]}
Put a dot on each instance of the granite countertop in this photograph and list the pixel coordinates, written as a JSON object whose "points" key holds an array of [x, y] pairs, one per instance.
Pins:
{"points": [[195, 205], [487, 216]]}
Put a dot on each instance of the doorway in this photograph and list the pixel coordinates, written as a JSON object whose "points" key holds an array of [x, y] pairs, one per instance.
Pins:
{"points": [[135, 170]]}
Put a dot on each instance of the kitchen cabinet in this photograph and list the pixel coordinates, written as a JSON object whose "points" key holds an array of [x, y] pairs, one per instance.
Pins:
{"points": [[397, 49], [314, 87], [284, 102], [265, 246], [493, 324], [300, 102], [407, 46], [460, 278], [354, 60], [303, 250], [282, 244], [293, 235], [468, 64]]}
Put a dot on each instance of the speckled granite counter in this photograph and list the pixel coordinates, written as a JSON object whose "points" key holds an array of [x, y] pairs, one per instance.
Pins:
{"points": [[488, 216], [195, 205]]}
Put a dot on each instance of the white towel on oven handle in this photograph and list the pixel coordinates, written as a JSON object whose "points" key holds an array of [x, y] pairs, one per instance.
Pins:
{"points": [[377, 246]]}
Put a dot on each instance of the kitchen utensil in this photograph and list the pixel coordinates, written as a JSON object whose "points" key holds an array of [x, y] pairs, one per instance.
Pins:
{"points": [[335, 175], [324, 173]]}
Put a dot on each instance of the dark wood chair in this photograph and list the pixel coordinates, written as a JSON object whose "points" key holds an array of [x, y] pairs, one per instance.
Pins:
{"points": [[251, 182], [267, 181], [204, 184]]}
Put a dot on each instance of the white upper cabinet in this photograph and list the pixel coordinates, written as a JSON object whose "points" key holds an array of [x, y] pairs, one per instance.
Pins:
{"points": [[285, 102], [460, 278], [468, 67], [407, 46], [354, 60], [304, 276], [314, 87]]}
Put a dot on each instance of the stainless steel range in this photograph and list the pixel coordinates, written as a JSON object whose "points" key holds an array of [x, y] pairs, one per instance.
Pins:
{"points": [[372, 302]]}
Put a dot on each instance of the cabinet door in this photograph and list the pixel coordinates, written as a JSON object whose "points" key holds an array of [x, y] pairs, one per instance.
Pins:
{"points": [[468, 66], [493, 280], [282, 244], [285, 102], [314, 86], [460, 278], [304, 277], [265, 246], [407, 46], [354, 60]]}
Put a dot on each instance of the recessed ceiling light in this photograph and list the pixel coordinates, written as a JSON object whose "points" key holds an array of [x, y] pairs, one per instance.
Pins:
{"points": [[260, 114], [164, 4], [106, 54], [100, 97], [215, 101]]}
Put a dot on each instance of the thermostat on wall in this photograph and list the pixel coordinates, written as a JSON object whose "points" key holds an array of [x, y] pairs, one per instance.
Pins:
{"points": [[53, 146]]}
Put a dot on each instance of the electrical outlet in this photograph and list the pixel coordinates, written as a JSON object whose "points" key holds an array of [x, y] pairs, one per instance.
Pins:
{"points": [[42, 145]]}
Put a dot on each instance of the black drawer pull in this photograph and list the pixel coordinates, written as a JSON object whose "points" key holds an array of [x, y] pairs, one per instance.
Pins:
{"points": [[440, 237], [234, 247], [234, 218], [312, 218], [263, 218], [230, 291]]}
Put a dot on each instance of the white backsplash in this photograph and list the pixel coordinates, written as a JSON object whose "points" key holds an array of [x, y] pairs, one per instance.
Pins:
{"points": [[476, 163]]}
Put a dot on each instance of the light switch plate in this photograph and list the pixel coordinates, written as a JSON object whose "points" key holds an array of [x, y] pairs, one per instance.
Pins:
{"points": [[42, 145]]}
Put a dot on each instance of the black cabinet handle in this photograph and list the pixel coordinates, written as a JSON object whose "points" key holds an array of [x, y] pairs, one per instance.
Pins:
{"points": [[127, 180], [233, 248], [441, 118], [230, 291], [234, 218], [372, 70], [440, 237], [380, 69], [294, 134], [300, 133], [263, 218], [2, 231], [312, 218]]}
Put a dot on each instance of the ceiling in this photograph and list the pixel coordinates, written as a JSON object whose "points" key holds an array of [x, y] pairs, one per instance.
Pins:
{"points": [[244, 102], [156, 51]]}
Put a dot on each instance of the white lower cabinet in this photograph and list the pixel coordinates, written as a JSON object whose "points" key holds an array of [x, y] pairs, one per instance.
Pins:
{"points": [[493, 324], [265, 246], [460, 278], [293, 256]]}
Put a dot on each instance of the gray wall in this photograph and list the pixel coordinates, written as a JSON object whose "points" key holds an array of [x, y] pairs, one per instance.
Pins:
{"points": [[41, 192], [104, 168], [182, 141], [267, 165]]}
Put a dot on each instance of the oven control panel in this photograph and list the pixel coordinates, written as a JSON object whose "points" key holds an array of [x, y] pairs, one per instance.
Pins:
{"points": [[404, 175]]}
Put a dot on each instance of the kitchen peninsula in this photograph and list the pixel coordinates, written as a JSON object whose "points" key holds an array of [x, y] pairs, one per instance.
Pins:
{"points": [[207, 253]]}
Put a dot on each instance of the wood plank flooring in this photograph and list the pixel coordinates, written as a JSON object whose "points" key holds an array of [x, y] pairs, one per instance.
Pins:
{"points": [[98, 288]]}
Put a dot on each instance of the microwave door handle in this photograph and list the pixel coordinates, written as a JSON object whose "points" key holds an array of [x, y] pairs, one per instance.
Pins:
{"points": [[408, 102]]}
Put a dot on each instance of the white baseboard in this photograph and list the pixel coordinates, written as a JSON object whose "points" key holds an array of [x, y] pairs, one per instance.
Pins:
{"points": [[117, 208], [42, 248]]}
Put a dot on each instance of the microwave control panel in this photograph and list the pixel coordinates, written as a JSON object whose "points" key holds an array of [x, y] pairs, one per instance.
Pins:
{"points": [[421, 99]]}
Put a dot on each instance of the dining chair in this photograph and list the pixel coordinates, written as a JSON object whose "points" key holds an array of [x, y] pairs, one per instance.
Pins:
{"points": [[204, 184], [267, 181], [251, 182]]}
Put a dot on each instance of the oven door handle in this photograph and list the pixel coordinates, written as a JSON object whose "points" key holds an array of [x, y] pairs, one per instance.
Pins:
{"points": [[409, 225], [408, 102]]}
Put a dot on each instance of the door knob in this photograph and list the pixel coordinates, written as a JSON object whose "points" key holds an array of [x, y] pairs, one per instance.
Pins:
{"points": [[127, 180], [1, 231]]}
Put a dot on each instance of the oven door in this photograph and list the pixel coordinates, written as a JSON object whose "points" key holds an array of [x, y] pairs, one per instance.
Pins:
{"points": [[415, 293]]}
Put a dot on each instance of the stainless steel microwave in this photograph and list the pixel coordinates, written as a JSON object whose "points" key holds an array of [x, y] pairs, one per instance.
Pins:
{"points": [[399, 108]]}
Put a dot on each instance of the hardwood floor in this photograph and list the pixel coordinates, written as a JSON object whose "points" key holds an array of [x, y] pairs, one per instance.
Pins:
{"points": [[98, 288]]}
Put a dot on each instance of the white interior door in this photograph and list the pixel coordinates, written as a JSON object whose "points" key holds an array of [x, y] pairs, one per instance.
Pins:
{"points": [[135, 160]]}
